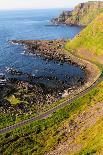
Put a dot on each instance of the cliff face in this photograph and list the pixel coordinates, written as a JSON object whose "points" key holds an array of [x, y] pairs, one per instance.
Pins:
{"points": [[82, 14], [62, 18]]}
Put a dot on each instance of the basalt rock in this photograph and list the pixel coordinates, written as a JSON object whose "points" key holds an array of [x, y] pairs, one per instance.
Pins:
{"points": [[14, 71], [62, 18], [50, 50]]}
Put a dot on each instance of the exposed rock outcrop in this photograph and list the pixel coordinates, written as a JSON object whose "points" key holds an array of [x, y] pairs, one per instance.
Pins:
{"points": [[81, 15], [62, 18]]}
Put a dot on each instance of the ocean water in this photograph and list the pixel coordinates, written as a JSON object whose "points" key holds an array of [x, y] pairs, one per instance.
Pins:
{"points": [[29, 25]]}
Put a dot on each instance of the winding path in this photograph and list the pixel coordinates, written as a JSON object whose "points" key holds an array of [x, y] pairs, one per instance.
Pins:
{"points": [[46, 114]]}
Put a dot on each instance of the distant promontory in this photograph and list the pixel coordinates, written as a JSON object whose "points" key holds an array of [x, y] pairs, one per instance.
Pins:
{"points": [[81, 15]]}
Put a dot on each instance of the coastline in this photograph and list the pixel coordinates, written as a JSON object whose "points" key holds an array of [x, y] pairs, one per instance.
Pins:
{"points": [[92, 77], [54, 50], [51, 91], [48, 49], [32, 99], [28, 95]]}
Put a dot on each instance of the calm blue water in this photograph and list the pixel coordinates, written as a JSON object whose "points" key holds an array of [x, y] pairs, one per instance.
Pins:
{"points": [[33, 24]]}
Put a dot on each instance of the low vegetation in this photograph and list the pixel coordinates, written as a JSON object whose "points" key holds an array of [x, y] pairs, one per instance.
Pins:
{"points": [[92, 139], [86, 15], [42, 136], [89, 43]]}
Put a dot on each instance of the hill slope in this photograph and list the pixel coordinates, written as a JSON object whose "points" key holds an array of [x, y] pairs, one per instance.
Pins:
{"points": [[82, 14], [89, 43], [75, 129]]}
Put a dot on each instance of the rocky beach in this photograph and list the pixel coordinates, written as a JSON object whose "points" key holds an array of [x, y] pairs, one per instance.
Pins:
{"points": [[24, 93], [31, 92], [48, 49]]}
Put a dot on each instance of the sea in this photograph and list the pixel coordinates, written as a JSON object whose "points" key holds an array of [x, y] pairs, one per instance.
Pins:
{"points": [[34, 25]]}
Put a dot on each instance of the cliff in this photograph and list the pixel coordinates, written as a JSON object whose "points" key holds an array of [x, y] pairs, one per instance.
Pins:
{"points": [[89, 43], [81, 15]]}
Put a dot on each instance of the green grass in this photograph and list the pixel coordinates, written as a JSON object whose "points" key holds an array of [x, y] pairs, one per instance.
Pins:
{"points": [[41, 136], [89, 40], [6, 120], [90, 16], [92, 140], [13, 100], [86, 14]]}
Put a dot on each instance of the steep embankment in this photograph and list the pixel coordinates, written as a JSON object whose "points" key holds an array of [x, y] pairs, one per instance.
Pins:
{"points": [[89, 43], [82, 14]]}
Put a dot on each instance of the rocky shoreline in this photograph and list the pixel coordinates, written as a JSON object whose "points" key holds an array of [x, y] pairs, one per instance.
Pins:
{"points": [[30, 97], [55, 50], [48, 49], [21, 97]]}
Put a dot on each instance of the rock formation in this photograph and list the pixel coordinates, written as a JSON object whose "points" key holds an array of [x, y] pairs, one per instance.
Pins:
{"points": [[81, 15]]}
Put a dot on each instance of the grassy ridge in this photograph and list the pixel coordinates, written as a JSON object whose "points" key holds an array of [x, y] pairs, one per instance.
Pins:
{"points": [[89, 16], [90, 40]]}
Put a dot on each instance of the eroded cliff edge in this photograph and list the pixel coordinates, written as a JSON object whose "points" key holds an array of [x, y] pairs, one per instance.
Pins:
{"points": [[81, 15]]}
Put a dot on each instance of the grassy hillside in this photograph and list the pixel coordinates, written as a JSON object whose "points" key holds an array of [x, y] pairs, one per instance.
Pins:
{"points": [[89, 16], [89, 43], [84, 13], [82, 119]]}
